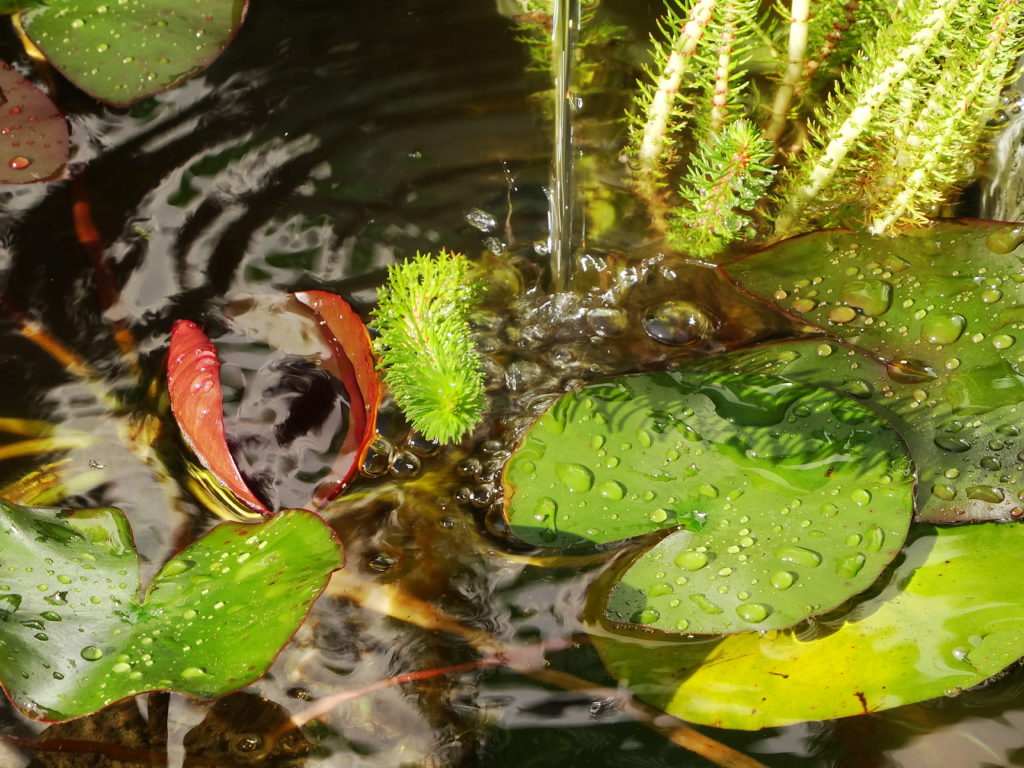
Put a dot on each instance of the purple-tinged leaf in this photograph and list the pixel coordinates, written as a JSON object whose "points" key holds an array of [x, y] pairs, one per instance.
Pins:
{"points": [[33, 132]]}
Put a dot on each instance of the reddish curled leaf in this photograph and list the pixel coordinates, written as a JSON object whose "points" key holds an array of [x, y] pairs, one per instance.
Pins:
{"points": [[352, 363], [193, 383], [33, 133]]}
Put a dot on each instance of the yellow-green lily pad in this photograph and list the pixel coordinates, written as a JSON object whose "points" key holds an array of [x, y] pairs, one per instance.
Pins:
{"points": [[948, 618]]}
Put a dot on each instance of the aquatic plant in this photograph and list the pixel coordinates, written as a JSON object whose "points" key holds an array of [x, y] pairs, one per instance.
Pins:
{"points": [[426, 346], [335, 337], [877, 115], [79, 634], [810, 436], [756, 503]]}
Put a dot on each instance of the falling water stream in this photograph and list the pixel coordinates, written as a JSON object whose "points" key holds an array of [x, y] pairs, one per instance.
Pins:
{"points": [[330, 141], [564, 218]]}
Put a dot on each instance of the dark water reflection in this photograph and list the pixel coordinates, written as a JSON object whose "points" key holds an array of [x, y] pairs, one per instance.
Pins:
{"points": [[330, 140]]}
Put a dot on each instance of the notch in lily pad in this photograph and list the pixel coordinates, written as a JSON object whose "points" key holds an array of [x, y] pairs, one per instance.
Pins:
{"points": [[75, 634], [781, 500]]}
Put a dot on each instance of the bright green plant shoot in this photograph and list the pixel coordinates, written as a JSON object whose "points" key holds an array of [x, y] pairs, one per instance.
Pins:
{"points": [[426, 347]]}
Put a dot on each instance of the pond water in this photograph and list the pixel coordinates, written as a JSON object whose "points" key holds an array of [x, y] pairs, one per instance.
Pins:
{"points": [[328, 142]]}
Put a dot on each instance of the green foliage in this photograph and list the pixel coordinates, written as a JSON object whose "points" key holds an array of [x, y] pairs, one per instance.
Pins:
{"points": [[945, 370], [836, 33], [725, 180], [700, 71], [901, 127], [123, 52], [885, 106], [815, 479], [783, 500], [77, 636], [426, 346], [947, 619]]}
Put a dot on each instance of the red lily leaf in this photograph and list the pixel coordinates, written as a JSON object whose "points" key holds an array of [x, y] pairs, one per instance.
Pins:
{"points": [[352, 363], [344, 352], [193, 382], [33, 132]]}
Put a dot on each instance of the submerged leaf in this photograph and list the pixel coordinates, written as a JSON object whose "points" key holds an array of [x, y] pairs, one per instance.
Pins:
{"points": [[123, 52], [33, 132], [75, 636], [784, 500], [944, 308], [947, 620]]}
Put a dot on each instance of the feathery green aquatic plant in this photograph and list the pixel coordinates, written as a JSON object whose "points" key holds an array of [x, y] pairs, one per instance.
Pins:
{"points": [[877, 113], [426, 347], [723, 184]]}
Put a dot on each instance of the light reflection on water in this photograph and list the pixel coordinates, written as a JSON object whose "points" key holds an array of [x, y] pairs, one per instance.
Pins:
{"points": [[328, 142]]}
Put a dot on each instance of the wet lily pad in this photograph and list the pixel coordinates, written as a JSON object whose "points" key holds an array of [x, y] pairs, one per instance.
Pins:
{"points": [[785, 500], [942, 624], [944, 306], [124, 51], [958, 479], [33, 132], [74, 635]]}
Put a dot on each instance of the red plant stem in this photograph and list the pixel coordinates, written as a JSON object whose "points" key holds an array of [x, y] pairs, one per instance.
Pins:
{"points": [[828, 45], [39, 336], [106, 289]]}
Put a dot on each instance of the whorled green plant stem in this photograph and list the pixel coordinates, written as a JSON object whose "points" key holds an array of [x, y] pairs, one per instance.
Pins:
{"points": [[426, 347], [957, 120], [723, 90], [799, 13], [726, 178], [855, 112], [650, 141], [838, 27]]}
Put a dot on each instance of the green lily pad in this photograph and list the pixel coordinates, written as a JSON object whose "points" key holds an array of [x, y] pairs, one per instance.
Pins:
{"points": [[74, 636], [959, 479], [944, 306], [123, 51], [945, 621], [786, 499]]}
